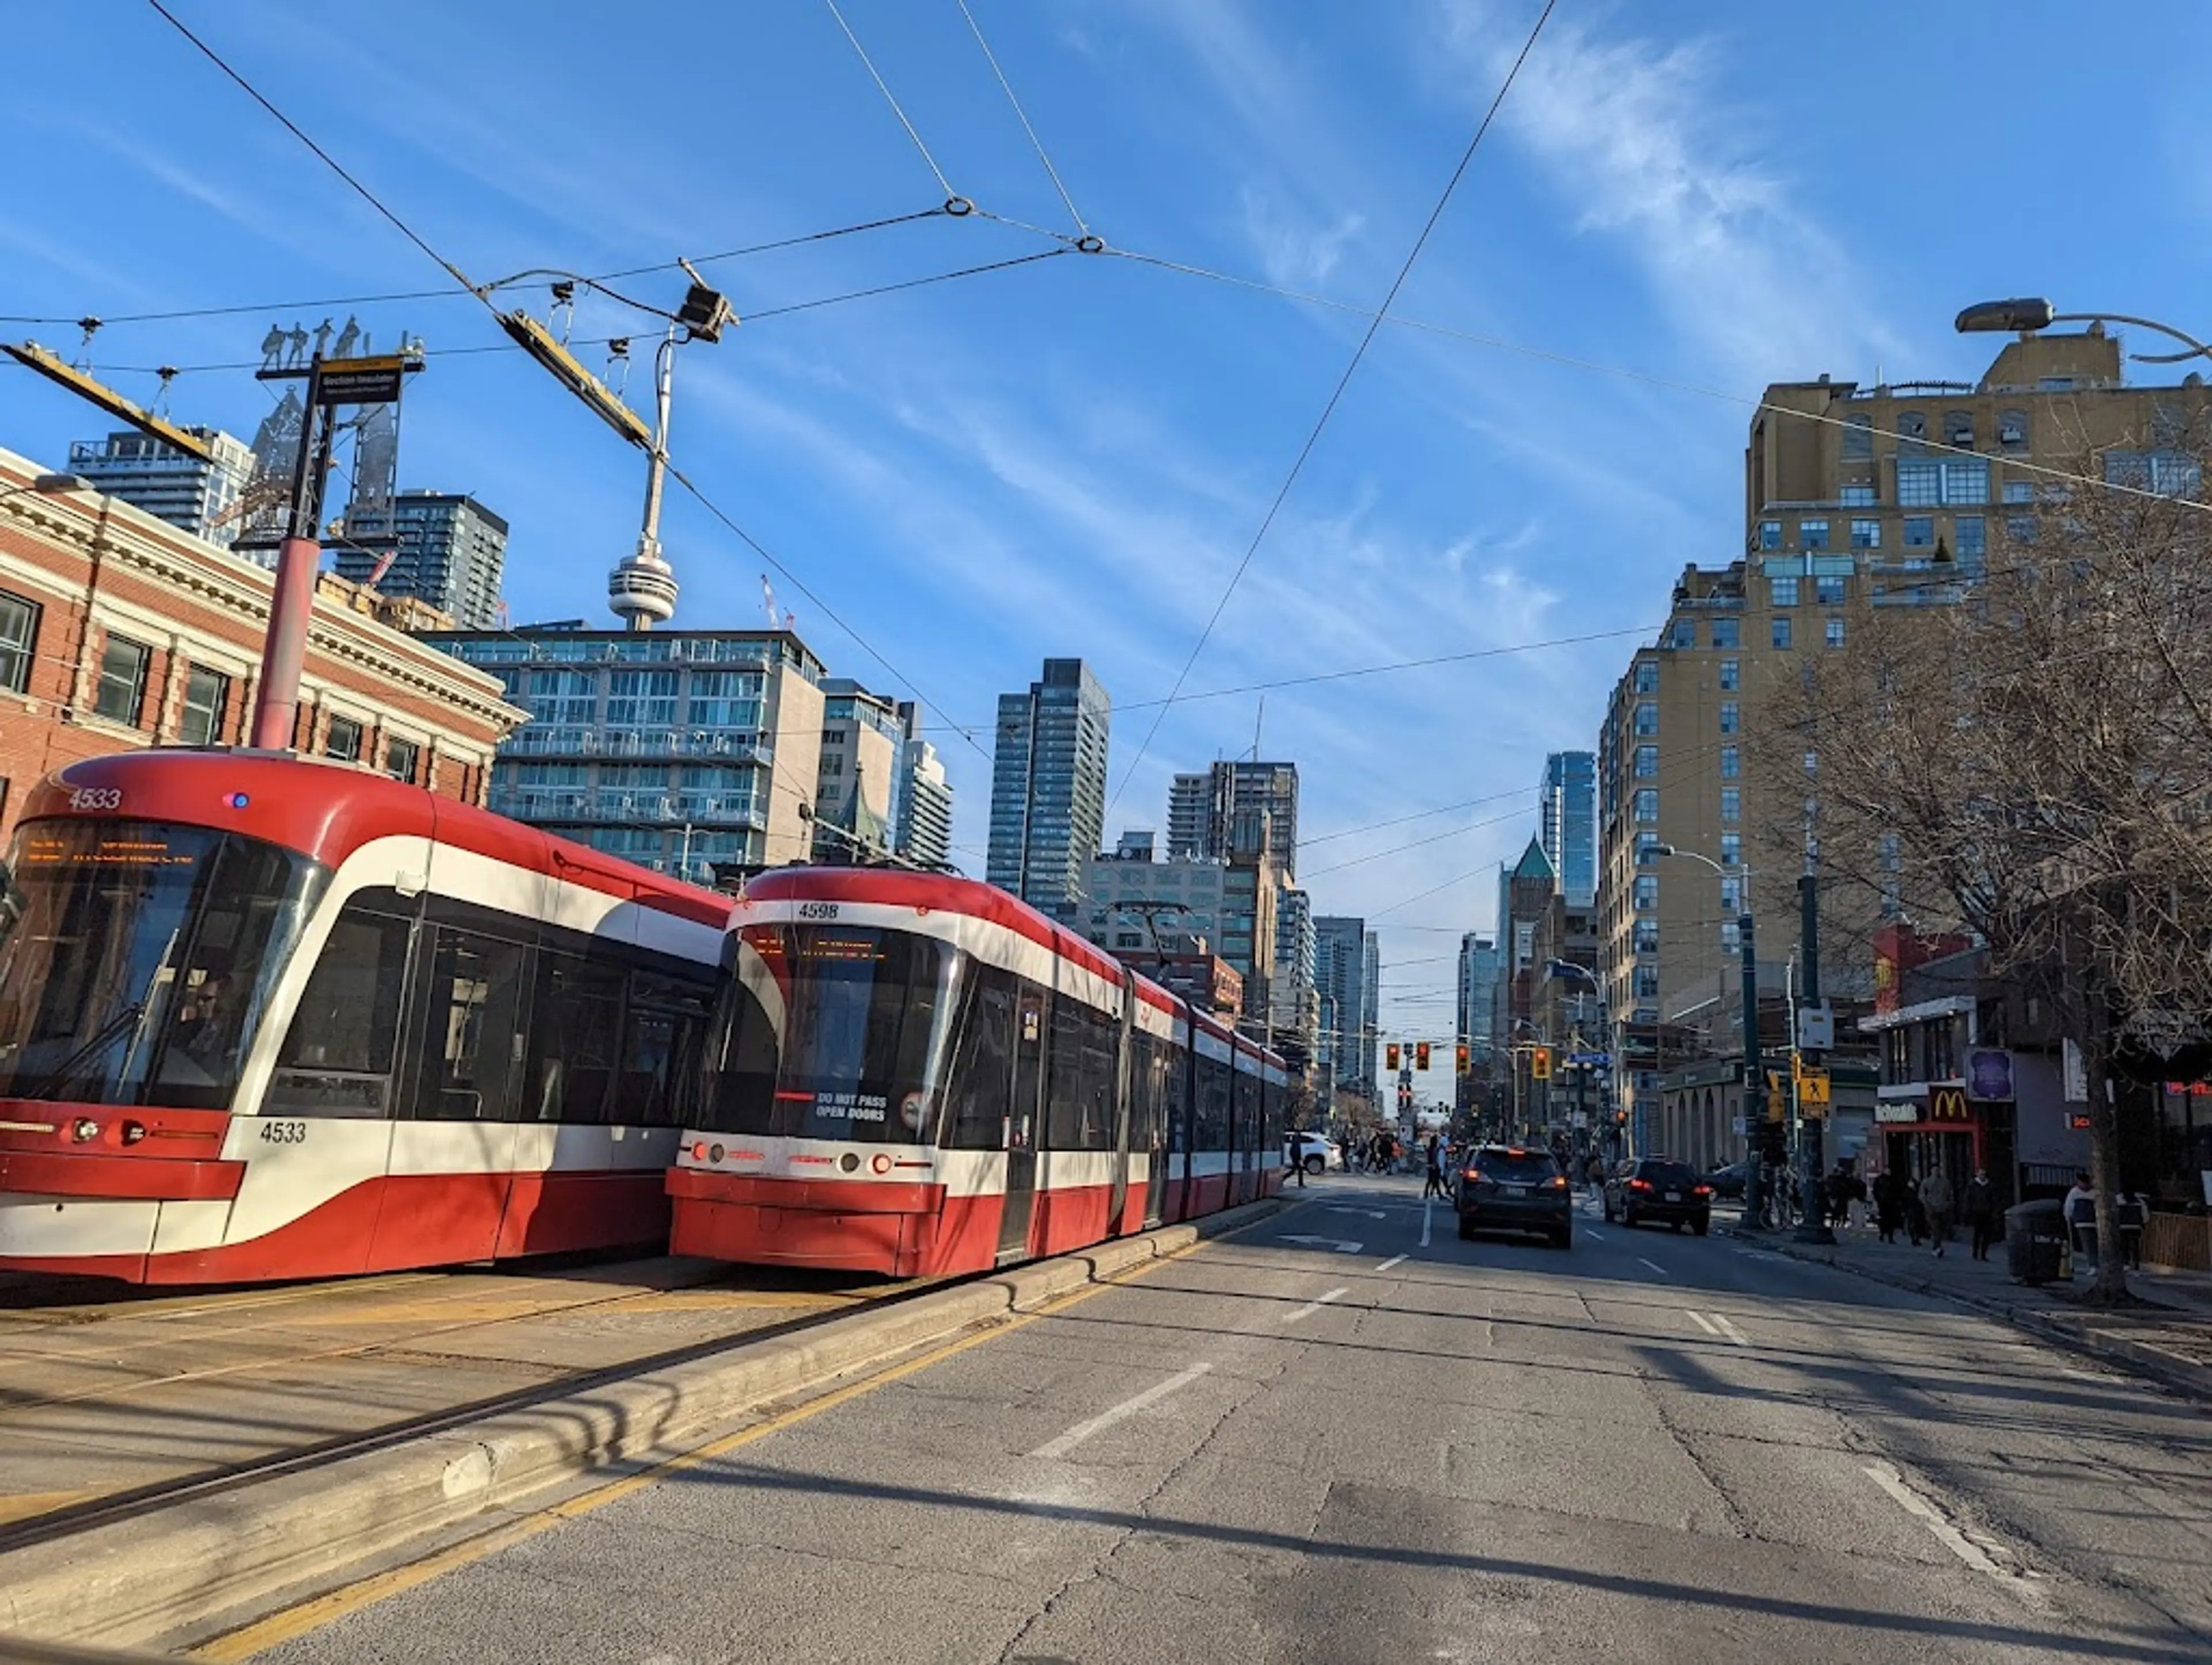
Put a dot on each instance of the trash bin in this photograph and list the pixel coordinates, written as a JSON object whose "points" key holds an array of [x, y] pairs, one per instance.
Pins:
{"points": [[2035, 1241]]}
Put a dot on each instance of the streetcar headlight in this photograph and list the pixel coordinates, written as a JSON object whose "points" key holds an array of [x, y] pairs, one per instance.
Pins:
{"points": [[850, 1162], [84, 1130], [880, 1162], [715, 1154]]}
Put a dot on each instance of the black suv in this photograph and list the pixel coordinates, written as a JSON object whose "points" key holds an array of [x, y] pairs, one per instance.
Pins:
{"points": [[1508, 1188], [1661, 1190]]}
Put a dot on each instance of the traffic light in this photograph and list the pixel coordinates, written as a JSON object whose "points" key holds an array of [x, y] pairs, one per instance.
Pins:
{"points": [[1540, 1064], [1420, 1054], [1390, 1054], [1459, 1060]]}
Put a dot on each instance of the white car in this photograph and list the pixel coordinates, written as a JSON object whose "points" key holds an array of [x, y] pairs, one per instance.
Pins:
{"points": [[1318, 1154]]}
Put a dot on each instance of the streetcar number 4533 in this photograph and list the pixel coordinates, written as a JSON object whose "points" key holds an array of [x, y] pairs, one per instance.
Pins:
{"points": [[284, 1133]]}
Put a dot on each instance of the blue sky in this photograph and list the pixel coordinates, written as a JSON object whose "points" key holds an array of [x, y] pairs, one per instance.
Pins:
{"points": [[1070, 457]]}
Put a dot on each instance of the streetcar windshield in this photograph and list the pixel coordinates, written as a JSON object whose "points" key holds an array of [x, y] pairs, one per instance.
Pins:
{"points": [[830, 1031], [135, 957]]}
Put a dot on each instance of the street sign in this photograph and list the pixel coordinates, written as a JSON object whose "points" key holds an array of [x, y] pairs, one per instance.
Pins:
{"points": [[1591, 1061], [363, 380], [1988, 1075], [1816, 1029], [1736, 1126]]}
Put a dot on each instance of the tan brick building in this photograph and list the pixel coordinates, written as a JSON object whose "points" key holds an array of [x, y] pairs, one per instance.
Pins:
{"points": [[119, 630], [1854, 498]]}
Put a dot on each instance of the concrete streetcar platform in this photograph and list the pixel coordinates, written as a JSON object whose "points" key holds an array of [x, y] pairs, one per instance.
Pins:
{"points": [[102, 1395]]}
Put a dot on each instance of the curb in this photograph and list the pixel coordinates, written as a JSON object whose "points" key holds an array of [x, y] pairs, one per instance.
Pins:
{"points": [[188, 1565], [2180, 1374]]}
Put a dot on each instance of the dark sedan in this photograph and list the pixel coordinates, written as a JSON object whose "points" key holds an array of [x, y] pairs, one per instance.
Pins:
{"points": [[1659, 1191], [1506, 1187], [1728, 1182]]}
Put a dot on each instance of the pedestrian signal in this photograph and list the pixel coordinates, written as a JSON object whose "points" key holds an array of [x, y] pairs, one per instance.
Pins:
{"points": [[1421, 1055], [1390, 1054], [1459, 1060], [1540, 1064]]}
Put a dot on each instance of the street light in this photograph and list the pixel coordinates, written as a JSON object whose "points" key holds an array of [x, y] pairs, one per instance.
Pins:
{"points": [[1754, 1077], [1568, 971], [2033, 312]]}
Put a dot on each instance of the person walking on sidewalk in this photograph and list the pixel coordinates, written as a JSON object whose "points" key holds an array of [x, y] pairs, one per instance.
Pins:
{"points": [[1935, 1198], [1979, 1208], [1888, 1205]]}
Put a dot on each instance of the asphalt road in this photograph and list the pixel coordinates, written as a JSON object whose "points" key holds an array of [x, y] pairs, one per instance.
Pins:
{"points": [[1383, 1444]]}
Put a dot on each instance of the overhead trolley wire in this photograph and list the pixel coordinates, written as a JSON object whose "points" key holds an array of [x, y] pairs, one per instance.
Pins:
{"points": [[890, 98], [1035, 143], [1336, 395]]}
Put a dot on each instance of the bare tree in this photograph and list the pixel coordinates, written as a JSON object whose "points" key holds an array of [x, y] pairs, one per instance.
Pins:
{"points": [[2026, 753]]}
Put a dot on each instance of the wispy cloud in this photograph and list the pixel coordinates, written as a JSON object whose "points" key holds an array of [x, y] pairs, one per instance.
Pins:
{"points": [[1640, 141], [1294, 251]]}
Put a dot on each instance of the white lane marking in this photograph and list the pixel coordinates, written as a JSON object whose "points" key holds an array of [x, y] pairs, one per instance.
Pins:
{"points": [[1593, 1231], [1654, 1266], [1703, 1323], [1316, 1305], [1926, 1513], [1334, 1245], [1128, 1407], [1730, 1330], [1425, 1222], [1392, 1261]]}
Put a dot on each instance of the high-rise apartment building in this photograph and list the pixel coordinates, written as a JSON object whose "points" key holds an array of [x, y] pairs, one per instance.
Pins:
{"points": [[443, 548], [922, 806], [195, 496], [1203, 808], [1566, 809], [1294, 1005], [1344, 976], [1855, 498], [683, 751], [1048, 787], [1478, 961], [857, 777], [1133, 902]]}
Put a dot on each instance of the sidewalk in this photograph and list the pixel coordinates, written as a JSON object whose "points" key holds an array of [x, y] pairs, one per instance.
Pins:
{"points": [[2170, 1340]]}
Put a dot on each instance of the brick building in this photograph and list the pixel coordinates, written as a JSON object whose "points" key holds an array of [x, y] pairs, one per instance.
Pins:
{"points": [[117, 630]]}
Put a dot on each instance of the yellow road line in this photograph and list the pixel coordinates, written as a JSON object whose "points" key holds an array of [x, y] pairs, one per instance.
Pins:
{"points": [[280, 1627]]}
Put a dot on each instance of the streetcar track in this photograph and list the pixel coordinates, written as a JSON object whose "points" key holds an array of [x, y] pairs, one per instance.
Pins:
{"points": [[78, 1518]]}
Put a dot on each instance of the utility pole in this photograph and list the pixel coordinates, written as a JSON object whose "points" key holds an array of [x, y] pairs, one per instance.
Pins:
{"points": [[1754, 1074], [1813, 1228]]}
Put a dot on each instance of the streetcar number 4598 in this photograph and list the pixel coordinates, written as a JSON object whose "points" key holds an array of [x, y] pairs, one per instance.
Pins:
{"points": [[817, 910]]}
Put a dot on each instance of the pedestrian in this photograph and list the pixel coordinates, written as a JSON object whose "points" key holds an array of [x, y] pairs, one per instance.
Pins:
{"points": [[1916, 1213], [1889, 1205], [2080, 1211], [1295, 1148], [1434, 1186], [1978, 1206], [1345, 1151], [1935, 1198]]}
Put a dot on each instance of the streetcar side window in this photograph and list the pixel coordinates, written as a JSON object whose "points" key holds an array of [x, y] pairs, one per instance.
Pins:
{"points": [[574, 1037], [663, 1036], [1078, 1115], [1245, 1112], [1178, 1104], [975, 1119], [474, 1027], [1212, 1131], [338, 1054]]}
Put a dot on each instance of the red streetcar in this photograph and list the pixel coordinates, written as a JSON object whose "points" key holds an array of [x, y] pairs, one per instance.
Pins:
{"points": [[262, 1018], [916, 1075]]}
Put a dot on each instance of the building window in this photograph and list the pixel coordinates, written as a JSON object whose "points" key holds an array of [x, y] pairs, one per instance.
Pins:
{"points": [[1973, 536], [1911, 425], [1647, 675], [1812, 763], [2176, 474], [1731, 675], [19, 636], [1785, 591], [1647, 848], [1731, 803], [1770, 534], [1727, 936], [1781, 633], [2019, 491], [1919, 531], [1866, 534], [1958, 428], [1647, 804], [1859, 437], [1647, 762], [1686, 632], [2012, 429], [1647, 892], [1731, 763], [1731, 849], [1958, 480], [344, 740], [1646, 938], [1861, 496], [207, 697], [122, 680], [1812, 534], [2019, 528], [1731, 895], [1647, 718], [1731, 716], [1919, 484], [1835, 633], [1647, 982], [401, 759], [1728, 633], [1829, 592]]}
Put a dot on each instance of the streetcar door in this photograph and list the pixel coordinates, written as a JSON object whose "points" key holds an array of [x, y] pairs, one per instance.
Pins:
{"points": [[1159, 1099], [1023, 1117], [1124, 1090]]}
